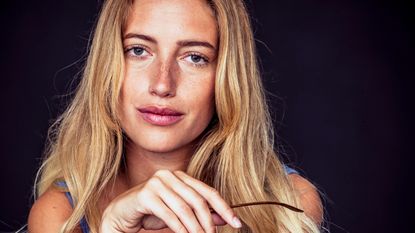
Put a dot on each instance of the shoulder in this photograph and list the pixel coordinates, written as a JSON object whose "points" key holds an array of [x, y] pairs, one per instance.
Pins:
{"points": [[49, 212], [309, 197]]}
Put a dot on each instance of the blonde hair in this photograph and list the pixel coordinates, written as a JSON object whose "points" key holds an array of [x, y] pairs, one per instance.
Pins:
{"points": [[86, 141]]}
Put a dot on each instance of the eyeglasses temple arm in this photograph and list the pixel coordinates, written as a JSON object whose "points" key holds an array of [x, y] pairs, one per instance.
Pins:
{"points": [[265, 203]]}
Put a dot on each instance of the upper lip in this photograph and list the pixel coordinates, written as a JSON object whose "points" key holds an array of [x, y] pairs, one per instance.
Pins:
{"points": [[163, 111]]}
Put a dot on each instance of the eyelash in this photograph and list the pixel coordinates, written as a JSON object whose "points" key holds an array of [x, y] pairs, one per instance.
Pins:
{"points": [[130, 50], [205, 59]]}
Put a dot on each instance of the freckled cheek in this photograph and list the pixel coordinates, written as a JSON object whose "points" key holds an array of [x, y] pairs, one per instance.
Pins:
{"points": [[202, 96], [134, 85], [129, 96]]}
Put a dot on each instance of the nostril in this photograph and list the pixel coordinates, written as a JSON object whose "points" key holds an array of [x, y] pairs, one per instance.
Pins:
{"points": [[162, 91]]}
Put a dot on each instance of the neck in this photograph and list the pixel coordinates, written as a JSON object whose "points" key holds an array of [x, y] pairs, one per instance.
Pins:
{"points": [[142, 164]]}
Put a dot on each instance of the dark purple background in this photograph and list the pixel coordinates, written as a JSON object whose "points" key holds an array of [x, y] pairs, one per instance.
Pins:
{"points": [[338, 73]]}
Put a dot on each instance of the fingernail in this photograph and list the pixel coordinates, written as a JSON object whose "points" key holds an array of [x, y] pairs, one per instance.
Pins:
{"points": [[236, 222]]}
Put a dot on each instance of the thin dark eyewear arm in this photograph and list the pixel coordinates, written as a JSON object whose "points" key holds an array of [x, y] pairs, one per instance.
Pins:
{"points": [[264, 203]]}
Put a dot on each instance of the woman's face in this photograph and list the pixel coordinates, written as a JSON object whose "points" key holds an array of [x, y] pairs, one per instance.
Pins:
{"points": [[167, 96]]}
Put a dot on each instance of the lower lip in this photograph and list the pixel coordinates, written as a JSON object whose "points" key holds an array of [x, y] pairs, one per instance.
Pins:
{"points": [[160, 120]]}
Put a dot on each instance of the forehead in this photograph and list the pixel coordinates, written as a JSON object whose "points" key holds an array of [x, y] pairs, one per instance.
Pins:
{"points": [[181, 19]]}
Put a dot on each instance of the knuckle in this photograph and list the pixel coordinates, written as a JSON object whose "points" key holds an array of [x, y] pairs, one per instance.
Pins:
{"points": [[154, 182], [184, 209], [214, 191], [200, 202], [178, 172], [143, 194], [162, 172], [213, 194], [228, 210]]}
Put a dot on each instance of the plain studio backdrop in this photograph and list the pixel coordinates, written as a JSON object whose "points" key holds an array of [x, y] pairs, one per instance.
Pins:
{"points": [[338, 76]]}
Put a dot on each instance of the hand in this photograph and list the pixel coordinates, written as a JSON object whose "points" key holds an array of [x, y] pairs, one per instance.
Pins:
{"points": [[168, 199]]}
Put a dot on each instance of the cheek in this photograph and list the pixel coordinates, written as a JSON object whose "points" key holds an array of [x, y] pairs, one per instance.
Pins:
{"points": [[133, 86], [128, 93], [202, 96]]}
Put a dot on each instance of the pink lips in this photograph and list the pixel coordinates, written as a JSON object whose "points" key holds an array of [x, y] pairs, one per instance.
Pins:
{"points": [[160, 116]]}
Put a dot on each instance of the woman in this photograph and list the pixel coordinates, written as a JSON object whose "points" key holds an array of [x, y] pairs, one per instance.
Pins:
{"points": [[169, 121]]}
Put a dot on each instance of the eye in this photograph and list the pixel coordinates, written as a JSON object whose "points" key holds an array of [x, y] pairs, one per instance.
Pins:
{"points": [[196, 59], [136, 51]]}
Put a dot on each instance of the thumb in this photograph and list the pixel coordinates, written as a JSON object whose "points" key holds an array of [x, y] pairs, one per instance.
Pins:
{"points": [[151, 222], [218, 220]]}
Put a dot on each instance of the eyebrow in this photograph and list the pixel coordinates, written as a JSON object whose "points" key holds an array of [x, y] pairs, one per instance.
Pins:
{"points": [[190, 43], [183, 43], [140, 36]]}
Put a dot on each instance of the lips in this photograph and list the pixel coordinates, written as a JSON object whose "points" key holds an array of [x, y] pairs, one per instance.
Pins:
{"points": [[160, 116]]}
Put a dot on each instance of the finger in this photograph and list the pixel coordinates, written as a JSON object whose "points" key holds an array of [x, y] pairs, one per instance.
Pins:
{"points": [[217, 220], [193, 198], [159, 209], [152, 222], [213, 197], [182, 209]]}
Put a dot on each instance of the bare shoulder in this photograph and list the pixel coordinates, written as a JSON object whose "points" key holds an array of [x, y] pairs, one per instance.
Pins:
{"points": [[49, 212], [309, 197]]}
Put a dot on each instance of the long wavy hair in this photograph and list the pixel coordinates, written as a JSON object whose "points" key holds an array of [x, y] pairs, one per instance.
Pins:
{"points": [[235, 154]]}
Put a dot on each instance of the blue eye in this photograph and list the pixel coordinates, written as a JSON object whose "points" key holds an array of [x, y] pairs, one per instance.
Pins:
{"points": [[197, 60], [136, 52]]}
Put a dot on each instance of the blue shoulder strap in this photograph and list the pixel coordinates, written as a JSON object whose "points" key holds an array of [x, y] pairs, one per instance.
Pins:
{"points": [[83, 224], [289, 170]]}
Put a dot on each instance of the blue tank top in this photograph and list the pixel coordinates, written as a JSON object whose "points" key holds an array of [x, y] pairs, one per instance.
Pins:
{"points": [[84, 225]]}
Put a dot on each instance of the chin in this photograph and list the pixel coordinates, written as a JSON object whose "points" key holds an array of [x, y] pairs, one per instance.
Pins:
{"points": [[159, 148], [163, 140], [161, 144]]}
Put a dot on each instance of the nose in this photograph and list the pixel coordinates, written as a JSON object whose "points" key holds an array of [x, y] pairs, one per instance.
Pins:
{"points": [[163, 84]]}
